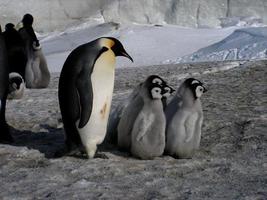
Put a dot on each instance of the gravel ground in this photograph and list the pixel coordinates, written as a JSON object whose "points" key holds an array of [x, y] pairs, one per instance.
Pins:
{"points": [[231, 162]]}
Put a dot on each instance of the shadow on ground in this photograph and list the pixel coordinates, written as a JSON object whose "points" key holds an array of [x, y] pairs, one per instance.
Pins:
{"points": [[48, 143]]}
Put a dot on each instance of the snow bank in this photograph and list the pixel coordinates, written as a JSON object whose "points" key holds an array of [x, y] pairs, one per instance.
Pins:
{"points": [[243, 44], [147, 44]]}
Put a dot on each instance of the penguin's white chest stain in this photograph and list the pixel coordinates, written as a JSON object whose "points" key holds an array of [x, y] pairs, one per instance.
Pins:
{"points": [[102, 79]]}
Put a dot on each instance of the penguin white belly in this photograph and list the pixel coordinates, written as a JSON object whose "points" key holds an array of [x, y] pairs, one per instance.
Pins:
{"points": [[102, 78], [190, 126]]}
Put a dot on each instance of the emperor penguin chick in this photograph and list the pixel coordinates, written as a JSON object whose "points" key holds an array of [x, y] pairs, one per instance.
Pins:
{"points": [[16, 86], [184, 120], [148, 133], [85, 92], [129, 111]]}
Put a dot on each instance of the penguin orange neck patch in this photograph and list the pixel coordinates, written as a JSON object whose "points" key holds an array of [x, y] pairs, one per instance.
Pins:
{"points": [[107, 42]]}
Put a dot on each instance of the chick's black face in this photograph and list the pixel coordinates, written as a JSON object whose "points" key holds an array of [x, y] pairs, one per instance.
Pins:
{"points": [[196, 87], [119, 50], [168, 90], [155, 79], [155, 90]]}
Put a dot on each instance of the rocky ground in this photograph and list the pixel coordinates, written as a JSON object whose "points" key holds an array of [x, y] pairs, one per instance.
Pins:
{"points": [[231, 163]]}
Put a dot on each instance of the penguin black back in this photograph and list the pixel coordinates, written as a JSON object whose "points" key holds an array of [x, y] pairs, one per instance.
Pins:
{"points": [[15, 45], [5, 134]]}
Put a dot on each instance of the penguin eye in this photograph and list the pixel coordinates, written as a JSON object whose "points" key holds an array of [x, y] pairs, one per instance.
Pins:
{"points": [[157, 81], [199, 91], [156, 93], [157, 90]]}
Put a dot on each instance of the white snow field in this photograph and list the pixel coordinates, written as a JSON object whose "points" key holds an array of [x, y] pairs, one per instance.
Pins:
{"points": [[148, 45], [242, 44], [155, 45]]}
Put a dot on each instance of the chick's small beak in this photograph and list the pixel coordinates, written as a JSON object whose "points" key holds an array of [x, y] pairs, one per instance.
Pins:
{"points": [[205, 90]]}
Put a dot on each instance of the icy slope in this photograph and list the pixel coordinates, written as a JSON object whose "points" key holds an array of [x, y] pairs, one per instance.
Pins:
{"points": [[147, 44], [243, 44]]}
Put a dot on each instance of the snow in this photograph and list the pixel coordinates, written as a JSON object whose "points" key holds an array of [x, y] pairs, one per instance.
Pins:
{"points": [[147, 44], [157, 44], [242, 44]]}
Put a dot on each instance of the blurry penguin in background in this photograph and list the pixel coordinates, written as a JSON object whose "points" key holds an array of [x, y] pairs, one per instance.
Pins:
{"points": [[37, 74], [184, 120], [16, 86], [17, 58], [167, 92], [5, 136]]}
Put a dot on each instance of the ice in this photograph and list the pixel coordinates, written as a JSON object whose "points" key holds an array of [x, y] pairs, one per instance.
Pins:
{"points": [[147, 44], [242, 44]]}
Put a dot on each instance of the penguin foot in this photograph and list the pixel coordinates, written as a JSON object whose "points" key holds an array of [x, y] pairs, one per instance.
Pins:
{"points": [[6, 139], [101, 155], [5, 136]]}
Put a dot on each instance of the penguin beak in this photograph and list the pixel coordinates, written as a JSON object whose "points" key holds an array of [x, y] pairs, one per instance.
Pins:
{"points": [[172, 90], [125, 54], [205, 90]]}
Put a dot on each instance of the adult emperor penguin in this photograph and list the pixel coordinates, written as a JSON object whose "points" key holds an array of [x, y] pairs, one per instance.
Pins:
{"points": [[16, 86], [37, 74], [129, 111], [184, 119], [85, 92], [5, 135], [148, 133], [17, 58]]}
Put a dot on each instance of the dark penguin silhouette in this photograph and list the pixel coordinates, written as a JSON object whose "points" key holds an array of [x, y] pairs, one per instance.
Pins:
{"points": [[17, 58], [37, 74], [4, 129]]}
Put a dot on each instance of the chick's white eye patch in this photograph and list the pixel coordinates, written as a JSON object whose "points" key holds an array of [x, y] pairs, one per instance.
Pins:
{"points": [[167, 89], [167, 92], [195, 82], [156, 93], [157, 81], [199, 91]]}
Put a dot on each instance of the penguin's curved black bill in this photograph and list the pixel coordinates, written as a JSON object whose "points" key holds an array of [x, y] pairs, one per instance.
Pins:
{"points": [[125, 54]]}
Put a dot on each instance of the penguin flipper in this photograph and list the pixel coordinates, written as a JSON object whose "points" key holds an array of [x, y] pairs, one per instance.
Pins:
{"points": [[85, 99]]}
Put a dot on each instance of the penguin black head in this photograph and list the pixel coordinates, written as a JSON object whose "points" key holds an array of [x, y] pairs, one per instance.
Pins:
{"points": [[155, 91], [27, 20], [156, 80], [16, 82], [118, 48], [196, 87], [9, 26], [167, 91]]}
